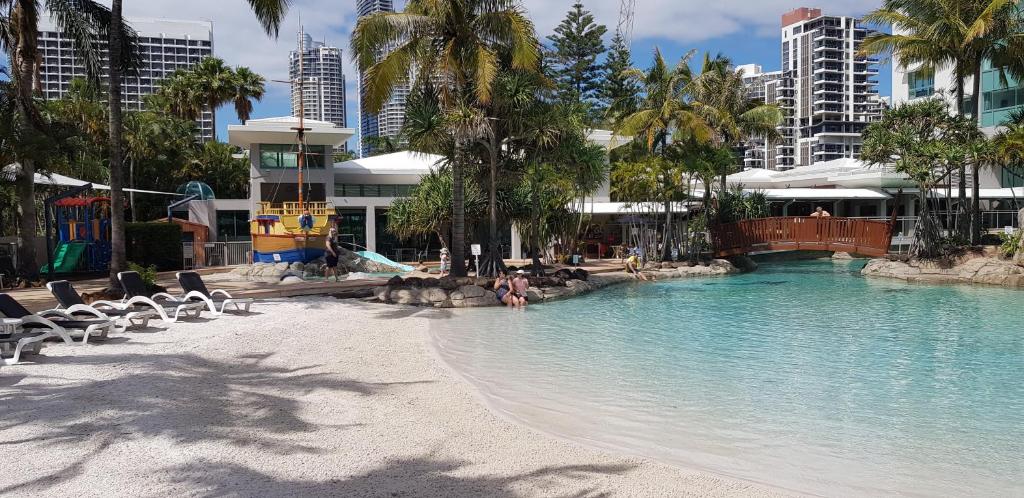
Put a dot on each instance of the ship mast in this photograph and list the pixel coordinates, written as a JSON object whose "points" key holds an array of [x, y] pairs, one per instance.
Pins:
{"points": [[301, 129]]}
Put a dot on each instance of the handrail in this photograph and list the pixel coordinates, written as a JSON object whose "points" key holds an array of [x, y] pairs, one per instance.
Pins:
{"points": [[868, 237]]}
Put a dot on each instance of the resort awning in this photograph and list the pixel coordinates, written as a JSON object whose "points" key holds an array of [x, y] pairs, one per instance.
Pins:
{"points": [[824, 194], [987, 193], [59, 180], [630, 208], [397, 163]]}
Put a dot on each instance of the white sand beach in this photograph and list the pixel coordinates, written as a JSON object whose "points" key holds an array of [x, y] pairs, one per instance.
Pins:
{"points": [[310, 397]]}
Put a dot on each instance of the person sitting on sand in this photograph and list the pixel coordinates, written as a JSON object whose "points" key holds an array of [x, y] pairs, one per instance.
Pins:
{"points": [[520, 286], [819, 212], [502, 289], [633, 267]]}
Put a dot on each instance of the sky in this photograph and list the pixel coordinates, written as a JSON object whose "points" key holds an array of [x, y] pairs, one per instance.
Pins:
{"points": [[747, 31]]}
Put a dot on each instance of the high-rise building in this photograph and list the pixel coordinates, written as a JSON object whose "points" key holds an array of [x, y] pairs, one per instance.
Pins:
{"points": [[756, 153], [388, 122], [826, 90], [165, 46], [322, 82]]}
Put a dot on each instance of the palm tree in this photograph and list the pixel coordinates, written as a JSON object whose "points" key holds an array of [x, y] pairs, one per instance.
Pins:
{"points": [[214, 83], [269, 13], [246, 86], [720, 97], [84, 22], [382, 144], [459, 43], [963, 34], [665, 113]]}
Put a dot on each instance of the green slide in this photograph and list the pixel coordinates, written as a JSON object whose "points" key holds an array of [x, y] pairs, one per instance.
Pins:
{"points": [[66, 258]]}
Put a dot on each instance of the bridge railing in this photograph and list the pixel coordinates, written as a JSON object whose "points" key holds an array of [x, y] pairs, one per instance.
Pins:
{"points": [[869, 237]]}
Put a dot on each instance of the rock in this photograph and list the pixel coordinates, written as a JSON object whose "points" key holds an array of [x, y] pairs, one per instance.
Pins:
{"points": [[297, 266], [414, 282], [842, 255], [969, 270], [564, 274], [534, 295], [405, 295], [292, 279], [431, 282], [395, 280], [743, 263], [433, 295], [483, 282], [581, 274], [471, 291], [487, 299], [381, 293], [281, 266], [448, 283]]}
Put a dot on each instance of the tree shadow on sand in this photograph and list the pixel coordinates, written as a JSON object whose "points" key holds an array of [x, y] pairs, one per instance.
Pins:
{"points": [[243, 401], [420, 476]]}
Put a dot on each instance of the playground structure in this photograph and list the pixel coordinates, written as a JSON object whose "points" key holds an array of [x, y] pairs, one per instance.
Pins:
{"points": [[83, 235]]}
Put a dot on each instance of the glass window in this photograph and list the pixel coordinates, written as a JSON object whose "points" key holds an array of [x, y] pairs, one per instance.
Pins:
{"points": [[286, 156], [921, 83], [232, 226]]}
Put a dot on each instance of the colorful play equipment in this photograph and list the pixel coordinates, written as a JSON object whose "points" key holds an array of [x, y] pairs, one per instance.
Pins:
{"points": [[83, 235], [280, 235]]}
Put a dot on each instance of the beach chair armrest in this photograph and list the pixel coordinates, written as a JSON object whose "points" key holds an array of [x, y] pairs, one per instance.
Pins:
{"points": [[85, 308], [109, 304], [164, 295], [222, 292], [190, 295], [54, 328], [65, 314]]}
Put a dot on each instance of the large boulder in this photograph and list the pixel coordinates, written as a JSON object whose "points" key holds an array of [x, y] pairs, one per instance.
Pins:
{"points": [[448, 283], [414, 282], [433, 296], [405, 295], [581, 274]]}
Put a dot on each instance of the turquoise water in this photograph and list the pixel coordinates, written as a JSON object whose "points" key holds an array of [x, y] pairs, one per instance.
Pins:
{"points": [[803, 375]]}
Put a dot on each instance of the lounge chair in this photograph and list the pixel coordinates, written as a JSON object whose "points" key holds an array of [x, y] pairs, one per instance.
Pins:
{"points": [[168, 307], [216, 300], [57, 321], [70, 301]]}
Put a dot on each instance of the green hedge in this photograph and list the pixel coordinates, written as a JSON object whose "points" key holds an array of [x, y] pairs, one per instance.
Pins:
{"points": [[154, 244]]}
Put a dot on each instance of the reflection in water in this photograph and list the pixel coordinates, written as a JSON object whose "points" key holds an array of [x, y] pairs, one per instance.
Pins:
{"points": [[802, 375]]}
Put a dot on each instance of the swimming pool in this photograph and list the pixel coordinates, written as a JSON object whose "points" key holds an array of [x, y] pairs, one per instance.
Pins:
{"points": [[801, 375]]}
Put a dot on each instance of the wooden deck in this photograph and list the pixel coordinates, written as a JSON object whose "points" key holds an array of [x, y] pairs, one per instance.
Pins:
{"points": [[867, 237]]}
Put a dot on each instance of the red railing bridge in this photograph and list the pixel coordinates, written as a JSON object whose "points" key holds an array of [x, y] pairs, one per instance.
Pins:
{"points": [[804, 233]]}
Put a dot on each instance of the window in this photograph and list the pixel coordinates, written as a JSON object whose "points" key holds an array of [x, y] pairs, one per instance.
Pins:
{"points": [[232, 226], [921, 83], [274, 156], [372, 190]]}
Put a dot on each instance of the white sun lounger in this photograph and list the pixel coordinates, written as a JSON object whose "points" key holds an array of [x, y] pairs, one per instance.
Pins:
{"points": [[57, 322], [168, 307], [71, 302], [216, 300]]}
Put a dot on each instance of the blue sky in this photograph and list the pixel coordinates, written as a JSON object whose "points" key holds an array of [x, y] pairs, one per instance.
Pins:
{"points": [[745, 30]]}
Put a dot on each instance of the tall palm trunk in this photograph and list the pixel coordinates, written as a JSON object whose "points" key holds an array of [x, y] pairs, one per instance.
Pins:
{"points": [[458, 214], [25, 187], [666, 249], [975, 225], [538, 266], [25, 184], [492, 263], [118, 258]]}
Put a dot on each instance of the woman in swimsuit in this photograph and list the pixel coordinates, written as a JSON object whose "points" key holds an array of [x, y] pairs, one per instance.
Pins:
{"points": [[501, 288]]}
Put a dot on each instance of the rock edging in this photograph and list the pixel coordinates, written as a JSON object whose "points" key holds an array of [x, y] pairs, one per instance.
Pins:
{"points": [[475, 293], [973, 271]]}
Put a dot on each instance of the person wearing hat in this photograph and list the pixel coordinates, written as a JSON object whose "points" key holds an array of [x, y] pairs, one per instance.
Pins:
{"points": [[520, 286], [446, 261]]}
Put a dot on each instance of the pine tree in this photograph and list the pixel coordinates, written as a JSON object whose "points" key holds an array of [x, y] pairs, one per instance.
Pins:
{"points": [[618, 94], [575, 49]]}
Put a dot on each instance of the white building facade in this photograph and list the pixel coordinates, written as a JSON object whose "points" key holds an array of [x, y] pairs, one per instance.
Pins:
{"points": [[166, 46], [322, 82]]}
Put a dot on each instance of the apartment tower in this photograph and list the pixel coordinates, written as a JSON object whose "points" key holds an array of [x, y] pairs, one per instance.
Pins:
{"points": [[166, 46], [826, 91], [388, 122], [322, 81]]}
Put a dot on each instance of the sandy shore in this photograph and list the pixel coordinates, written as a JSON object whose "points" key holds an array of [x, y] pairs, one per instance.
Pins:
{"points": [[311, 397]]}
